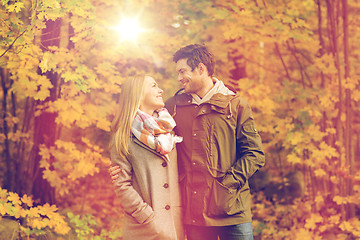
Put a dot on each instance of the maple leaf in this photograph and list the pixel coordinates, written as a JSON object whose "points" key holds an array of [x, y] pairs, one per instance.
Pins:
{"points": [[335, 219], [313, 220], [33, 212], [340, 200], [3, 194], [14, 198], [47, 209], [62, 228], [16, 7], [37, 223], [334, 179], [18, 211], [3, 209], [319, 200], [320, 172], [27, 200], [346, 226], [293, 158]]}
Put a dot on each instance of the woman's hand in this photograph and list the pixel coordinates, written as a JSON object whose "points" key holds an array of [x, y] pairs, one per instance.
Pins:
{"points": [[113, 171]]}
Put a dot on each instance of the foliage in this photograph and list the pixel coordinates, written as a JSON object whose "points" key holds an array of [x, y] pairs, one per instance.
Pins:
{"points": [[299, 221], [85, 228], [45, 219], [62, 61], [34, 219]]}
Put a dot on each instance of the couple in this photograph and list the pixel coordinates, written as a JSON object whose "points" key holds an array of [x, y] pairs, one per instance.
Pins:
{"points": [[201, 184]]}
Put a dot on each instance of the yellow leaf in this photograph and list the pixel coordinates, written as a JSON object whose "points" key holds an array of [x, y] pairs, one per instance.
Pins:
{"points": [[3, 209], [27, 200], [14, 198], [320, 172], [331, 130], [62, 228], [355, 95], [293, 158], [334, 179], [319, 200], [346, 226], [18, 211], [296, 138], [33, 212], [350, 83], [47, 209], [3, 194], [103, 124], [15, 7], [302, 234], [37, 223], [340, 200], [313, 220], [335, 219]]}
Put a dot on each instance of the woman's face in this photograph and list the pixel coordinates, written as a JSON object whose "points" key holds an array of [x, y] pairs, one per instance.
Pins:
{"points": [[151, 98]]}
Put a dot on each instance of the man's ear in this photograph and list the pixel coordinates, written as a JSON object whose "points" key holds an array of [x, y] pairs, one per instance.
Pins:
{"points": [[202, 68]]}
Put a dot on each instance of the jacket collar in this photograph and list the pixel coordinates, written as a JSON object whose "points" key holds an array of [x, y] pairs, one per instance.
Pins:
{"points": [[218, 87], [218, 100]]}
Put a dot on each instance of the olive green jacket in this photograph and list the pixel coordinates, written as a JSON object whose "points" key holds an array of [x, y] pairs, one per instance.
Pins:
{"points": [[221, 150]]}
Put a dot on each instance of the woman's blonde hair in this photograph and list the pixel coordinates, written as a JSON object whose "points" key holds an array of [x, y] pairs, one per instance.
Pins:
{"points": [[129, 103]]}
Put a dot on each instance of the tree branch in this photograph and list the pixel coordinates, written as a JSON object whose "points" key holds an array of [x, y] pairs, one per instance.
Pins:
{"points": [[12, 44]]}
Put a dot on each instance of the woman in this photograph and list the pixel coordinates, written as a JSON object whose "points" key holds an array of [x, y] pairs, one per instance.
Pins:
{"points": [[143, 147]]}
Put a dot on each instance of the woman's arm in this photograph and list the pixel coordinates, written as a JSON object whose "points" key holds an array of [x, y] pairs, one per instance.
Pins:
{"points": [[130, 199]]}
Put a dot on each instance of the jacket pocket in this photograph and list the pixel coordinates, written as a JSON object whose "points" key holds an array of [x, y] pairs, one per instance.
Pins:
{"points": [[251, 135], [224, 201]]}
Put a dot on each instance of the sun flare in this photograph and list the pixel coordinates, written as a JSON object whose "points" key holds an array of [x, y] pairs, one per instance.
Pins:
{"points": [[129, 29]]}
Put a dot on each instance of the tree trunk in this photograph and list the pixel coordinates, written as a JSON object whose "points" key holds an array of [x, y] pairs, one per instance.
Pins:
{"points": [[333, 33], [44, 124], [348, 109], [9, 182]]}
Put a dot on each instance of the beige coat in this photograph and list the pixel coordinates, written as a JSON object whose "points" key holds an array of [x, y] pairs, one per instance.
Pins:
{"points": [[149, 192]]}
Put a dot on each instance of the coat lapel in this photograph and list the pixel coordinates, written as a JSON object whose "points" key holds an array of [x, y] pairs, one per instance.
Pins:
{"points": [[135, 140]]}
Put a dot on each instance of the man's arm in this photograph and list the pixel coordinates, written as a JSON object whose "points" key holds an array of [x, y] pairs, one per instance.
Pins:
{"points": [[250, 154]]}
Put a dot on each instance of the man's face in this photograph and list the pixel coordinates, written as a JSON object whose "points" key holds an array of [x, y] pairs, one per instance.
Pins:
{"points": [[191, 80]]}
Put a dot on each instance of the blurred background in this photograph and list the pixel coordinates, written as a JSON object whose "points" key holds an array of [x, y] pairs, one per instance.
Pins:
{"points": [[62, 63]]}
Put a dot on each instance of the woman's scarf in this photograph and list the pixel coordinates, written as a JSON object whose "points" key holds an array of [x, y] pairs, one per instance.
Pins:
{"points": [[155, 131]]}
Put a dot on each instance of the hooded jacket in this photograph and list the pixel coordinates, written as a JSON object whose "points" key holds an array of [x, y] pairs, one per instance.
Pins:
{"points": [[221, 150]]}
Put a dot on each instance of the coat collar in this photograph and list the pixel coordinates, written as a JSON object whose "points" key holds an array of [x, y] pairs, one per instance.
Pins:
{"points": [[136, 141], [218, 100]]}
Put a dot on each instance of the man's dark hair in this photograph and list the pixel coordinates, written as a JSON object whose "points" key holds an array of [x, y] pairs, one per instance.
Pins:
{"points": [[195, 54]]}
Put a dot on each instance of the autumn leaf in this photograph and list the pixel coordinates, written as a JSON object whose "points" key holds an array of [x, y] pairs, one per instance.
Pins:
{"points": [[14, 198], [320, 172], [302, 234], [312, 222], [27, 200], [16, 7], [3, 209], [36, 223], [33, 212], [3, 194]]}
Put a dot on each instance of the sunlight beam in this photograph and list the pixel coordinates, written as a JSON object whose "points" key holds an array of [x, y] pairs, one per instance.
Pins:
{"points": [[129, 29]]}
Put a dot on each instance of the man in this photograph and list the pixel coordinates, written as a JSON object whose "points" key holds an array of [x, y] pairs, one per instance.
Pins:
{"points": [[220, 152]]}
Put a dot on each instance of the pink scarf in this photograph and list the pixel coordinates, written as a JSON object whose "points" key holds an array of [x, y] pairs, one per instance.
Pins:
{"points": [[155, 131]]}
